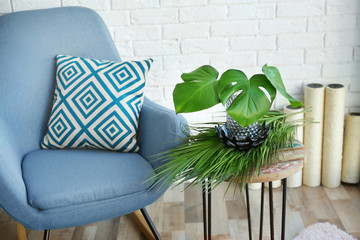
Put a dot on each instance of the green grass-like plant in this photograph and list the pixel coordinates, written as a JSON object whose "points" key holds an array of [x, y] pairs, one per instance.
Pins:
{"points": [[202, 156]]}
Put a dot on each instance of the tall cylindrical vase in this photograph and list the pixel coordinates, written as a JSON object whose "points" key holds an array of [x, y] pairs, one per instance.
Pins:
{"points": [[254, 186], [333, 135], [275, 184], [314, 104], [351, 161], [296, 114]]}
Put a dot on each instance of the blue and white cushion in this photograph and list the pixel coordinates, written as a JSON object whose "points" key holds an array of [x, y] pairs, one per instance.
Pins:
{"points": [[96, 104]]}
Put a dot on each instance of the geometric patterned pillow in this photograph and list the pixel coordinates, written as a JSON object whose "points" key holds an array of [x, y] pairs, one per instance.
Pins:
{"points": [[96, 104]]}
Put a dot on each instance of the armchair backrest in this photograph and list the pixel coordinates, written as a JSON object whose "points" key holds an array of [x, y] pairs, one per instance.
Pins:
{"points": [[29, 42]]}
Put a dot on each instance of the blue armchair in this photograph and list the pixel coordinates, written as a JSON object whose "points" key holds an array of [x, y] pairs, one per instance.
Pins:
{"points": [[51, 189]]}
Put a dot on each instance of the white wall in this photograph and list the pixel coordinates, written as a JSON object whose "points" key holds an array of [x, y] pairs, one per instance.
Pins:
{"points": [[309, 41]]}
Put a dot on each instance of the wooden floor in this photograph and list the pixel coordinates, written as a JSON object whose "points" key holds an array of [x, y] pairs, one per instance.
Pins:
{"points": [[178, 215]]}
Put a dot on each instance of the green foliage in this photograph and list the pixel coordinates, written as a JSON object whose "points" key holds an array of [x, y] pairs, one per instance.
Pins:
{"points": [[198, 91], [230, 82], [201, 90], [273, 74], [203, 155], [252, 103]]}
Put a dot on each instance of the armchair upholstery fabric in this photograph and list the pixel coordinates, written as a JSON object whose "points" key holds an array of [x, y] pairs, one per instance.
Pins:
{"points": [[61, 178], [29, 42]]}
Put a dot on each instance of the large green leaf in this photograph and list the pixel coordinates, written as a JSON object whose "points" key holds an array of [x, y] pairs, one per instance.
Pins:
{"points": [[252, 103], [231, 82], [198, 91], [273, 74], [260, 80]]}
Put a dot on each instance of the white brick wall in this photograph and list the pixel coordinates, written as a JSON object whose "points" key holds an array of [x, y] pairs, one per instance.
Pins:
{"points": [[309, 41], [20, 5], [5, 6]]}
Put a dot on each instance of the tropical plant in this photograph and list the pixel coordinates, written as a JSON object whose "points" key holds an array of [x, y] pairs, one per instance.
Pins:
{"points": [[202, 89], [203, 156]]}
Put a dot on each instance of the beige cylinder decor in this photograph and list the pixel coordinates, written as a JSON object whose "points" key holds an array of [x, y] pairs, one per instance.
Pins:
{"points": [[351, 162], [313, 133], [295, 180], [333, 135], [254, 186], [275, 184]]}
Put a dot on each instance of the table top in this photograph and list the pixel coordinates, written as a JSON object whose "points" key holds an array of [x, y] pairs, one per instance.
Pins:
{"points": [[291, 161]]}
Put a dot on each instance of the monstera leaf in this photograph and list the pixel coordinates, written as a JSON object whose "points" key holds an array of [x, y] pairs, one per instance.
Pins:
{"points": [[201, 90], [272, 73], [231, 82], [198, 91], [252, 102]]}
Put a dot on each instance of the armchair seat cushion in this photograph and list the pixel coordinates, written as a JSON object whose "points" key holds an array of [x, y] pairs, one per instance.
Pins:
{"points": [[58, 178]]}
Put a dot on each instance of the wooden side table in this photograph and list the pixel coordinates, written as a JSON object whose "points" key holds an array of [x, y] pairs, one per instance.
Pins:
{"points": [[291, 161]]}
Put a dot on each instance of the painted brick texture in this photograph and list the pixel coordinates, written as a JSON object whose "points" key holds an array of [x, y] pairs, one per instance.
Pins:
{"points": [[309, 41]]}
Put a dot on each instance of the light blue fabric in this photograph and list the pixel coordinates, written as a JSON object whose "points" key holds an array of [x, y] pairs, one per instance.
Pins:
{"points": [[58, 178], [97, 104], [29, 41], [159, 125]]}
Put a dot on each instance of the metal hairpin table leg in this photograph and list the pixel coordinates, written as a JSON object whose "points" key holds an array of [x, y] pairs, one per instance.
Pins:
{"points": [[271, 211], [209, 209], [261, 210], [204, 195], [248, 210], [283, 218]]}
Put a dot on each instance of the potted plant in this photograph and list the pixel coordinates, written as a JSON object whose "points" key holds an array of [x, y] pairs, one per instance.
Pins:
{"points": [[246, 100], [201, 90], [219, 153]]}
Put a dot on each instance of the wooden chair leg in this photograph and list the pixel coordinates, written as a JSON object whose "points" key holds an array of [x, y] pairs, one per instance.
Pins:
{"points": [[21, 232], [142, 224]]}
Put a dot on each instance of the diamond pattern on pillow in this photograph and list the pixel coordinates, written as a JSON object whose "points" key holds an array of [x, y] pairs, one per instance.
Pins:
{"points": [[96, 104]]}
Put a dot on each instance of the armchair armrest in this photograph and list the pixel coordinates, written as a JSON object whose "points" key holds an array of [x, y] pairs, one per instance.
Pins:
{"points": [[12, 187], [159, 130]]}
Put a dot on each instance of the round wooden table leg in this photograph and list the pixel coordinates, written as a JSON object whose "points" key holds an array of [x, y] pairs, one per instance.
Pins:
{"points": [[271, 211]]}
